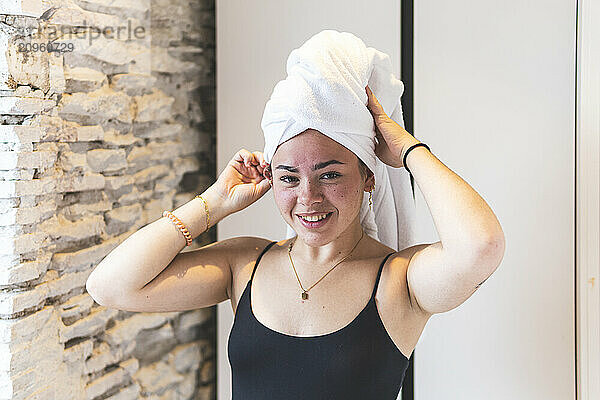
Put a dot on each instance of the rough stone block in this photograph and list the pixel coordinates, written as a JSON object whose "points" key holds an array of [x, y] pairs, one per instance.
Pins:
{"points": [[186, 164], [60, 228], [162, 61], [24, 271], [70, 14], [133, 84], [38, 187], [75, 308], [19, 134], [128, 329], [131, 392], [156, 377], [96, 107], [70, 161], [138, 9], [101, 357], [32, 8], [34, 159], [153, 107], [105, 160], [25, 106], [79, 183], [207, 371], [168, 182], [92, 324], [194, 318], [20, 244], [153, 344], [122, 218], [84, 209], [14, 302], [85, 258], [29, 68], [186, 388], [81, 79], [117, 182], [160, 131], [56, 129], [165, 150], [56, 74], [67, 282], [138, 158], [79, 352], [113, 138], [106, 382], [28, 215], [151, 173], [108, 50], [186, 357]]}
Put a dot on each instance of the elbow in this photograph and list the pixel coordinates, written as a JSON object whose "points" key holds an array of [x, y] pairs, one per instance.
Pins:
{"points": [[491, 252], [95, 292]]}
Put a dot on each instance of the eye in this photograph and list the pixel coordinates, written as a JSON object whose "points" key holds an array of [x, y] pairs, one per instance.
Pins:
{"points": [[285, 177], [332, 175]]}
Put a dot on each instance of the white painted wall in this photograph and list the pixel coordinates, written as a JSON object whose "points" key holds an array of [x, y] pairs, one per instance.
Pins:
{"points": [[494, 99]]}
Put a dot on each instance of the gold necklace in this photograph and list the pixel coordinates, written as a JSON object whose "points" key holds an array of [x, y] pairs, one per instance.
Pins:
{"points": [[305, 292]]}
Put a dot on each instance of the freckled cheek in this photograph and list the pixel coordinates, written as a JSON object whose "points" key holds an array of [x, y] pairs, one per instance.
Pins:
{"points": [[342, 193], [285, 199]]}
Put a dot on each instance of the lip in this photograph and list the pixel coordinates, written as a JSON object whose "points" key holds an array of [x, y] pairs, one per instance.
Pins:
{"points": [[316, 224], [313, 213]]}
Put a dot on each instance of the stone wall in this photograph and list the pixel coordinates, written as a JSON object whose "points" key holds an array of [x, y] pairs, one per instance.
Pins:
{"points": [[97, 138]]}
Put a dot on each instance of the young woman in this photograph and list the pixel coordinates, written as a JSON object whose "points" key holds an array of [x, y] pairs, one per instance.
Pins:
{"points": [[330, 313]]}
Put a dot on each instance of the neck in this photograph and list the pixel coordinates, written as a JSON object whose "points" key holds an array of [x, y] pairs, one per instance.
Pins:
{"points": [[329, 253]]}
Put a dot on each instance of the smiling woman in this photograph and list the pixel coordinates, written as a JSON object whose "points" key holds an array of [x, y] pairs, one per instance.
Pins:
{"points": [[370, 296]]}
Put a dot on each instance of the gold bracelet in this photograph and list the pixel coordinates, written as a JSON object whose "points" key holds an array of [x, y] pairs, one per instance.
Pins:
{"points": [[205, 209], [184, 230]]}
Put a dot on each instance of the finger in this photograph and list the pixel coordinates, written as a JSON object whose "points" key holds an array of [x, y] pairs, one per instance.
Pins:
{"points": [[263, 186], [374, 105], [258, 156], [261, 165], [261, 158], [244, 156]]}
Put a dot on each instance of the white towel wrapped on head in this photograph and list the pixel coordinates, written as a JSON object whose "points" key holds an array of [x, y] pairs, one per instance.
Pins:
{"points": [[325, 90]]}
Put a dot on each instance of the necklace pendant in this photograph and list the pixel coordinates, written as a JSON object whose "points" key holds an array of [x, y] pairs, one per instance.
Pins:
{"points": [[304, 296]]}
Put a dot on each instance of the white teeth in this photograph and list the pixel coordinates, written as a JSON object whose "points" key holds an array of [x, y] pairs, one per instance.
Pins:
{"points": [[313, 218]]}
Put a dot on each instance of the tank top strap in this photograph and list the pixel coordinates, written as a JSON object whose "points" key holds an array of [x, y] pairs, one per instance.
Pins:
{"points": [[259, 257], [379, 274]]}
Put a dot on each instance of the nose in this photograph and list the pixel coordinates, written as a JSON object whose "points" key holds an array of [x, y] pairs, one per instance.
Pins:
{"points": [[309, 193]]}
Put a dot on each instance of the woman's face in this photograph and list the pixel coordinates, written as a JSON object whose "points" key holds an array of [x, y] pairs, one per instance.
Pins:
{"points": [[314, 175]]}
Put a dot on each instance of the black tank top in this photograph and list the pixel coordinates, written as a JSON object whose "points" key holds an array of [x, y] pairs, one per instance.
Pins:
{"points": [[358, 361]]}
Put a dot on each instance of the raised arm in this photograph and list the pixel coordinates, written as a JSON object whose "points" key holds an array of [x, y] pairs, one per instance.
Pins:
{"points": [[148, 271], [444, 274]]}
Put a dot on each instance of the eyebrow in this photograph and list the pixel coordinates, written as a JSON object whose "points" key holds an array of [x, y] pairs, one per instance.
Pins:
{"points": [[315, 167]]}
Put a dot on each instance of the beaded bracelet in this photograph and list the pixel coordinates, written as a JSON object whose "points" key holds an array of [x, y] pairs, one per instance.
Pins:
{"points": [[186, 233]]}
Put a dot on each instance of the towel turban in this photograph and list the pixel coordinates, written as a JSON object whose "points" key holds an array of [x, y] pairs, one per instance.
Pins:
{"points": [[325, 90]]}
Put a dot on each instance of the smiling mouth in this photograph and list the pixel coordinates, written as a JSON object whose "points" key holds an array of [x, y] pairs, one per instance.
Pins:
{"points": [[314, 221]]}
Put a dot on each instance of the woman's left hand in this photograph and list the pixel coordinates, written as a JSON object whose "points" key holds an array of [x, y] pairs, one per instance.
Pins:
{"points": [[392, 139]]}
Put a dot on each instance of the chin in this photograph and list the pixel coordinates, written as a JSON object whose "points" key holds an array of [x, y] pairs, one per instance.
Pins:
{"points": [[316, 237]]}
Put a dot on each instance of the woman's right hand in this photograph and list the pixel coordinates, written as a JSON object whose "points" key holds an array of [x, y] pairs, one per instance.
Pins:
{"points": [[242, 182]]}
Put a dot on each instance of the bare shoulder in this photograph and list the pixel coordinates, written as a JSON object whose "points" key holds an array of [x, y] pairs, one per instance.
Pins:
{"points": [[243, 250]]}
